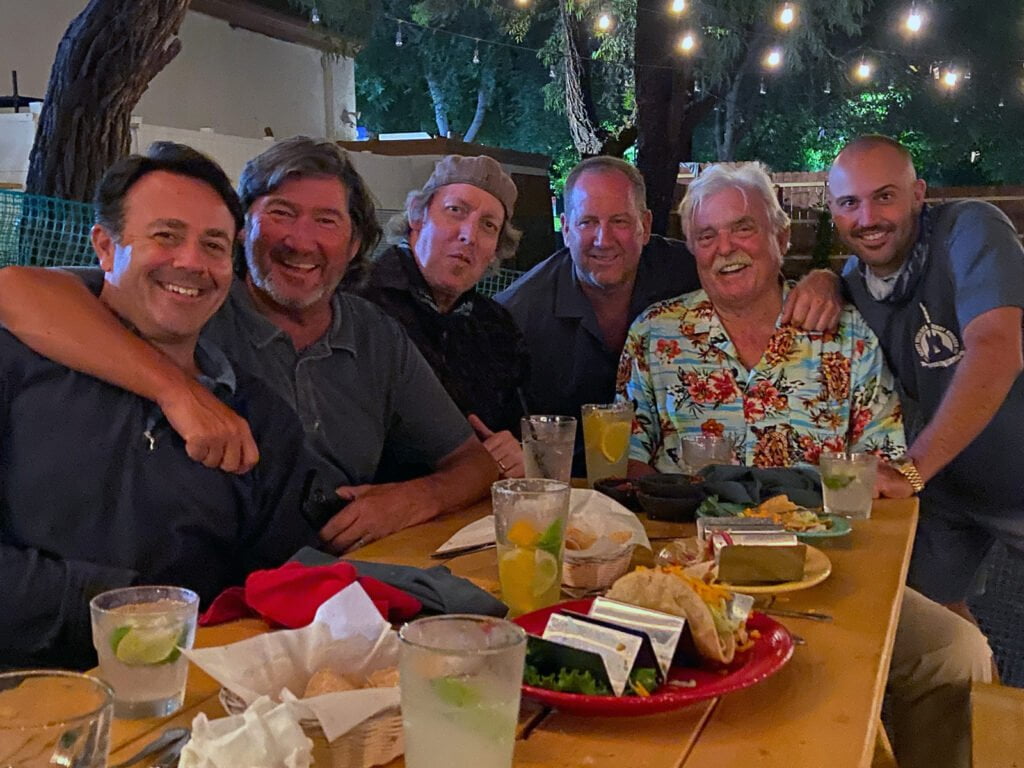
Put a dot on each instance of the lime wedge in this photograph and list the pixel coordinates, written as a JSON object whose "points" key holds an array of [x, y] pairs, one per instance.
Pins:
{"points": [[138, 646], [545, 572], [837, 482], [455, 692]]}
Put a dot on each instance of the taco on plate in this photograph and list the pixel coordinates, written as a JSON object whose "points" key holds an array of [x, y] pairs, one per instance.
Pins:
{"points": [[716, 631]]}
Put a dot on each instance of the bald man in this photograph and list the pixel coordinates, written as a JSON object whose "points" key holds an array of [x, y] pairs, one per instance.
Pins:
{"points": [[943, 288]]}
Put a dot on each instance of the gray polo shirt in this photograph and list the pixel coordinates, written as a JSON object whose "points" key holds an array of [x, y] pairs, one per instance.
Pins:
{"points": [[371, 406]]}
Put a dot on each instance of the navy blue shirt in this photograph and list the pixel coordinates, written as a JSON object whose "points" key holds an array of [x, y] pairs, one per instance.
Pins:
{"points": [[570, 364], [97, 492], [974, 264]]}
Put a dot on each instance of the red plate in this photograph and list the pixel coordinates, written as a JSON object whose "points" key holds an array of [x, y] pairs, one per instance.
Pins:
{"points": [[769, 653]]}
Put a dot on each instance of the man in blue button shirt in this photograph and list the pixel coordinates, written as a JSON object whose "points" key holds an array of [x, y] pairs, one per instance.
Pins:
{"points": [[96, 489]]}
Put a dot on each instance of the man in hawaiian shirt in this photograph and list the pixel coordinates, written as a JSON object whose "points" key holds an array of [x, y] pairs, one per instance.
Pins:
{"points": [[719, 360]]}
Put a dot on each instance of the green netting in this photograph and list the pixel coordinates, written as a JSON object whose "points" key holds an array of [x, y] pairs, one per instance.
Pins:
{"points": [[493, 284], [44, 231]]}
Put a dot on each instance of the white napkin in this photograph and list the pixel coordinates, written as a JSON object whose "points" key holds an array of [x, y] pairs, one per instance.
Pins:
{"points": [[599, 515], [347, 634], [266, 735], [588, 510], [476, 534]]}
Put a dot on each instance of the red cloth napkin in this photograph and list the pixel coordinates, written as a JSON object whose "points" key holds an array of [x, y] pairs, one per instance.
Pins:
{"points": [[289, 596]]}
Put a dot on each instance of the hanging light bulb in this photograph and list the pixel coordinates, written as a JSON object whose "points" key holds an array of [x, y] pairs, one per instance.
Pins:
{"points": [[551, 72], [787, 15], [774, 58], [956, 118], [398, 36], [677, 6], [1001, 103], [828, 86], [913, 21], [522, 3], [950, 79], [863, 70], [476, 52], [688, 42], [604, 22], [314, 15], [763, 89]]}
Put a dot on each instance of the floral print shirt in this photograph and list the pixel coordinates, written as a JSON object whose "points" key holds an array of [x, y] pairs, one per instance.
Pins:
{"points": [[810, 391]]}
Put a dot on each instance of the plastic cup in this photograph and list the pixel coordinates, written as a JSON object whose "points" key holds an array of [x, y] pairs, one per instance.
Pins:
{"points": [[461, 678], [606, 432], [529, 528], [701, 451], [50, 717], [138, 633], [848, 483], [548, 443]]}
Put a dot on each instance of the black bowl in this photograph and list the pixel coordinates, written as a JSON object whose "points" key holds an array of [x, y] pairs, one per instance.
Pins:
{"points": [[622, 489], [673, 509], [670, 486]]}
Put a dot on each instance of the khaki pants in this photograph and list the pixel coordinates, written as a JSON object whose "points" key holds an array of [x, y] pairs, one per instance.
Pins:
{"points": [[935, 657]]}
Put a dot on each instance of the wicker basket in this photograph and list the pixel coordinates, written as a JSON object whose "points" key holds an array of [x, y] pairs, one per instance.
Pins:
{"points": [[375, 741], [594, 573]]}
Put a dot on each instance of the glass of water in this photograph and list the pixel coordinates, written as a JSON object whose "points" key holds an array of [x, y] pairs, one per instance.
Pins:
{"points": [[461, 678], [848, 483], [138, 633], [701, 451], [548, 443], [49, 717]]}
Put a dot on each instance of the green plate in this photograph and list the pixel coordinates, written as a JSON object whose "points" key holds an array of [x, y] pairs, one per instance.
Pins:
{"points": [[840, 527]]}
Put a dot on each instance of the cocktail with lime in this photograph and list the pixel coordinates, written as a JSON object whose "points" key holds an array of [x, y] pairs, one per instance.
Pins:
{"points": [[529, 528], [138, 633], [848, 483], [606, 432]]}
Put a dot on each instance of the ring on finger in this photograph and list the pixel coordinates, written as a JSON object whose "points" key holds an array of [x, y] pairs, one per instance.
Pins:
{"points": [[502, 467]]}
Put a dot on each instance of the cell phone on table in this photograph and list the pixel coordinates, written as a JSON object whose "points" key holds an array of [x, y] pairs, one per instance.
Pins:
{"points": [[319, 504]]}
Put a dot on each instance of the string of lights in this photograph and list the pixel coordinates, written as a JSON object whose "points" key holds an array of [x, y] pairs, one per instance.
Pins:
{"points": [[863, 70]]}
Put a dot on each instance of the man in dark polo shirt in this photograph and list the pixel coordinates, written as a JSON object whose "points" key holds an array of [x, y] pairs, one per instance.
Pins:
{"points": [[370, 404], [575, 307], [96, 489]]}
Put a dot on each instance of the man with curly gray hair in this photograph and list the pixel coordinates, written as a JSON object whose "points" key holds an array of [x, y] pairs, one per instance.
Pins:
{"points": [[452, 232]]}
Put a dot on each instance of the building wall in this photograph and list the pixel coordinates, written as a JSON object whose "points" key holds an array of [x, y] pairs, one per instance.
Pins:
{"points": [[231, 80]]}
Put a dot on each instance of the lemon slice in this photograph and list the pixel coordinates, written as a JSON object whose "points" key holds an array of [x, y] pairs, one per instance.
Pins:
{"points": [[545, 572], [615, 440], [138, 646], [515, 572]]}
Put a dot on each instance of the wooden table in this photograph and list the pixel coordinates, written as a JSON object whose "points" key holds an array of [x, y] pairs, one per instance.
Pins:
{"points": [[821, 709]]}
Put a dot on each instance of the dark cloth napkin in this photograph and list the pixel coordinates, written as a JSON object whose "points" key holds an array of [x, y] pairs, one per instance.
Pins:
{"points": [[752, 485], [290, 595], [436, 588]]}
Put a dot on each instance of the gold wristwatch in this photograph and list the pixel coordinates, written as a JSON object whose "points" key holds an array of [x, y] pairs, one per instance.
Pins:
{"points": [[906, 467]]}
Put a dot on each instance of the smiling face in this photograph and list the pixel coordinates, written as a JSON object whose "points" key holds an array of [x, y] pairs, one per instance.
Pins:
{"points": [[875, 199], [738, 256], [299, 241], [456, 240], [170, 268], [605, 230]]}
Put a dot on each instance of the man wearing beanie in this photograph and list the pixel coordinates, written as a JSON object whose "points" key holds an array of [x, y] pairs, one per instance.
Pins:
{"points": [[453, 231]]}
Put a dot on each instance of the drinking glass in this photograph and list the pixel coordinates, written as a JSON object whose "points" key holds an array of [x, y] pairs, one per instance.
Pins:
{"points": [[548, 443], [701, 451], [606, 431], [848, 483], [529, 529], [50, 717], [138, 633], [461, 678]]}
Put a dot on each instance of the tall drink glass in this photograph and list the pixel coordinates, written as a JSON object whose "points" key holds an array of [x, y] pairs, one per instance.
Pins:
{"points": [[529, 529], [606, 431], [848, 483], [548, 443], [138, 633], [461, 677], [50, 717]]}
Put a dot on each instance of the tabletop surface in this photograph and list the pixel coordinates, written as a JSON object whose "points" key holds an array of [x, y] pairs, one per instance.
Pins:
{"points": [[822, 708]]}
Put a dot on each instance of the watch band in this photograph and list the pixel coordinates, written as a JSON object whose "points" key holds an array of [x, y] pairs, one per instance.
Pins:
{"points": [[908, 469]]}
